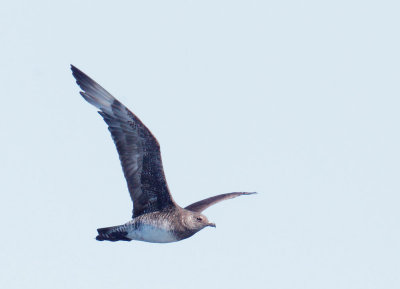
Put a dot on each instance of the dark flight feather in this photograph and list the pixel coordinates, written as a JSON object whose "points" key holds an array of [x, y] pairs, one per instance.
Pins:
{"points": [[204, 204], [138, 149]]}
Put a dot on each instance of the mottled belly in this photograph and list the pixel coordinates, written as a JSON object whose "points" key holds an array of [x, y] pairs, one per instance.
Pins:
{"points": [[148, 233]]}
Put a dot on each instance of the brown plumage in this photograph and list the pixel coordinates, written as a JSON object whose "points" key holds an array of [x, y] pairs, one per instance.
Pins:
{"points": [[155, 215]]}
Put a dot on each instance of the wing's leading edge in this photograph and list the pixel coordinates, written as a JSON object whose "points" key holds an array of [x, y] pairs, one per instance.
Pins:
{"points": [[204, 204]]}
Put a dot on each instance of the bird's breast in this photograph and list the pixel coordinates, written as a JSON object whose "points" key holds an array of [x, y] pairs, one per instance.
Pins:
{"points": [[151, 233]]}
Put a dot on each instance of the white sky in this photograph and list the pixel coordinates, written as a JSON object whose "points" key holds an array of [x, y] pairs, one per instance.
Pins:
{"points": [[297, 100]]}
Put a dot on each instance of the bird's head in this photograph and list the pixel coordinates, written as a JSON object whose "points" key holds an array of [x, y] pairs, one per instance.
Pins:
{"points": [[197, 221]]}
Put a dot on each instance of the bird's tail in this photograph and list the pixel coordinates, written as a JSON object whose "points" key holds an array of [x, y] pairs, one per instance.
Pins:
{"points": [[115, 233]]}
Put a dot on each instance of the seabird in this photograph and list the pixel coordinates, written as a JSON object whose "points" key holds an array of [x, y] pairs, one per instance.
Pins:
{"points": [[156, 217]]}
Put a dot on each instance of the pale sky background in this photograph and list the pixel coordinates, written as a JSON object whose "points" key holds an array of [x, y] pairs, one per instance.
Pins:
{"points": [[297, 100]]}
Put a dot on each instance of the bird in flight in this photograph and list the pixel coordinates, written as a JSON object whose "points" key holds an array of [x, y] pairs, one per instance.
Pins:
{"points": [[156, 217]]}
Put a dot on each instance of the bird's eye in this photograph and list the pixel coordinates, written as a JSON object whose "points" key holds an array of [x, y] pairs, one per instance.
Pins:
{"points": [[199, 219]]}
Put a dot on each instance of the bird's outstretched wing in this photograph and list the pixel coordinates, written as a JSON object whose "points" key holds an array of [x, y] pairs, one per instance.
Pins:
{"points": [[138, 149], [204, 204]]}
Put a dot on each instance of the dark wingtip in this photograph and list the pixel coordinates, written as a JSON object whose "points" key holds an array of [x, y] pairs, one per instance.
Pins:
{"points": [[75, 70], [99, 238], [78, 74], [247, 193]]}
